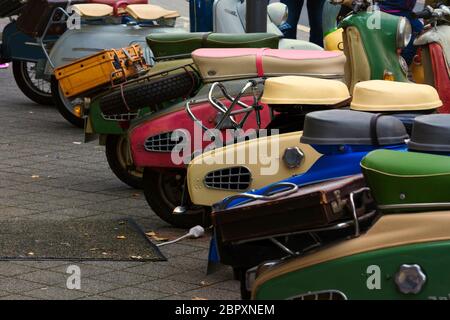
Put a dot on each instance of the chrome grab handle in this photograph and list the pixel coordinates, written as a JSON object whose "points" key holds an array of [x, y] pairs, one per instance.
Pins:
{"points": [[288, 189], [40, 40], [193, 117], [353, 206]]}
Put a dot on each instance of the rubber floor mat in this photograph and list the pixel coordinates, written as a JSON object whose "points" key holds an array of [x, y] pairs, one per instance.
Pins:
{"points": [[110, 240]]}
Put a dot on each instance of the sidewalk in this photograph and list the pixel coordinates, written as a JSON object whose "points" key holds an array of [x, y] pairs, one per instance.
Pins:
{"points": [[46, 174]]}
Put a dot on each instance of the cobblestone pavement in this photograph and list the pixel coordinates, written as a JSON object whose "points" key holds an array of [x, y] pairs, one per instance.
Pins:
{"points": [[46, 173]]}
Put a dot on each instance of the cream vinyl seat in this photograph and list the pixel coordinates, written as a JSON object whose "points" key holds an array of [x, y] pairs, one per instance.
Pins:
{"points": [[304, 91], [93, 10], [224, 64], [150, 12], [390, 96]]}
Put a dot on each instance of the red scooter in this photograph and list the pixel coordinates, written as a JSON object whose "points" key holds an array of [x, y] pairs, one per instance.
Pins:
{"points": [[433, 58]]}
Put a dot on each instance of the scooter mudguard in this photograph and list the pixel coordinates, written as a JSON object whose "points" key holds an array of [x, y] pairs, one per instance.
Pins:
{"points": [[91, 39], [337, 162], [441, 71], [401, 257], [18, 46], [153, 142]]}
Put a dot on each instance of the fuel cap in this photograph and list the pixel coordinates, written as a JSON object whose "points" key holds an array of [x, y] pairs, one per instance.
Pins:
{"points": [[410, 278], [293, 157]]}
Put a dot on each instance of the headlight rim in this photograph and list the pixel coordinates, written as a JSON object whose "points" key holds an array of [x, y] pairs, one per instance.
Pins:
{"points": [[404, 33]]}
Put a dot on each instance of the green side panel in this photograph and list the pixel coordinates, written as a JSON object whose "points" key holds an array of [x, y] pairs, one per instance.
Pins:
{"points": [[102, 126], [380, 42], [163, 45], [402, 178], [351, 276]]}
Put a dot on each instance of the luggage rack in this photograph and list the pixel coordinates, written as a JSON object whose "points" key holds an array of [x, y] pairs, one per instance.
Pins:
{"points": [[226, 114], [122, 86]]}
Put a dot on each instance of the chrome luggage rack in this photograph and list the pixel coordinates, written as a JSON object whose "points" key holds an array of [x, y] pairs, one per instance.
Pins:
{"points": [[226, 115]]}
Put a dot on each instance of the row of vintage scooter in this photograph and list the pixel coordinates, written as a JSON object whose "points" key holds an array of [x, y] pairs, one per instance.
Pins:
{"points": [[45, 34], [328, 232]]}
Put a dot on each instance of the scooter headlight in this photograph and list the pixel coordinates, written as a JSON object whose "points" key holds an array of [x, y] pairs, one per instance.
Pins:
{"points": [[404, 33]]}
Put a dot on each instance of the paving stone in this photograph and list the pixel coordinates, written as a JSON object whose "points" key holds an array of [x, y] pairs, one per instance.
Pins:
{"points": [[95, 287], [129, 293], [45, 277], [124, 278], [168, 286], [16, 297], [9, 269], [14, 285], [213, 294], [56, 293], [154, 269]]}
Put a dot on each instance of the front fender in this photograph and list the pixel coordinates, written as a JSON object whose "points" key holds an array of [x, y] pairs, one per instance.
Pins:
{"points": [[16, 45]]}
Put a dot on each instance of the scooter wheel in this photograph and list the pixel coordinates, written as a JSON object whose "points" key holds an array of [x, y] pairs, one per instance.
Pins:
{"points": [[163, 191], [115, 150], [63, 105], [149, 94], [37, 90]]}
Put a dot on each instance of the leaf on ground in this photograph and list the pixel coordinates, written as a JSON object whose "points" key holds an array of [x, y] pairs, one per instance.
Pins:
{"points": [[136, 257], [198, 298], [150, 234], [35, 176], [121, 237], [156, 238]]}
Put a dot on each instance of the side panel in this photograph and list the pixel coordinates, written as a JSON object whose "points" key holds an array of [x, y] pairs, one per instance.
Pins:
{"points": [[350, 275], [262, 157]]}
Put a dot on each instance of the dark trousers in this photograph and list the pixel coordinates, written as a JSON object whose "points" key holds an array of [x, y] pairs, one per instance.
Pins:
{"points": [[315, 9]]}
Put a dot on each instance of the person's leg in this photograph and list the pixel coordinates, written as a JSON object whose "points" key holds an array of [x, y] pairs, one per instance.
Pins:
{"points": [[289, 29], [315, 11]]}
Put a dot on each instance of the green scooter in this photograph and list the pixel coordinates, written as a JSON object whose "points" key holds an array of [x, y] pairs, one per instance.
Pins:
{"points": [[404, 254]]}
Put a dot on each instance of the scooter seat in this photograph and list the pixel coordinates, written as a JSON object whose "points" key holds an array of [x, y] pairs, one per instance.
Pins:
{"points": [[93, 10], [346, 127], [171, 44], [225, 64], [297, 90], [408, 181], [150, 12], [431, 133], [389, 96]]}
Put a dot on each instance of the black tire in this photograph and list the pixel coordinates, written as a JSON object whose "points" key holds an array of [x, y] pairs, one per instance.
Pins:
{"points": [[60, 103], [115, 149], [163, 191], [240, 274], [37, 90], [149, 94]]}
